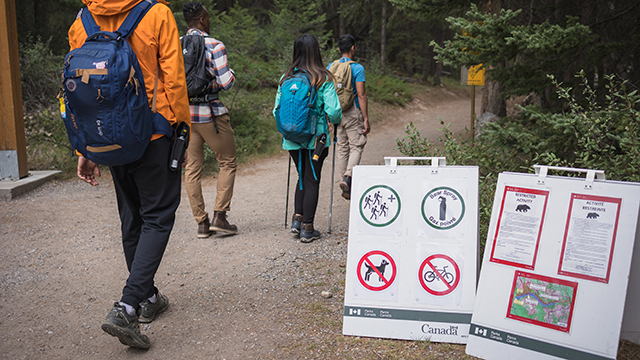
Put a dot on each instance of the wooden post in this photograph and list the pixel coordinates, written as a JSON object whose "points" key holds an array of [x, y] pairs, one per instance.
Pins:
{"points": [[13, 151], [473, 109]]}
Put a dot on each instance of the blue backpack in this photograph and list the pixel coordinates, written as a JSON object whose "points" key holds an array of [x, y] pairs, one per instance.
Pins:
{"points": [[296, 119], [107, 114]]}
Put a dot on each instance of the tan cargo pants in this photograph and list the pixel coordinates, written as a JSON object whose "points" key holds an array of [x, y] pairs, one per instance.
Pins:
{"points": [[223, 146], [351, 141]]}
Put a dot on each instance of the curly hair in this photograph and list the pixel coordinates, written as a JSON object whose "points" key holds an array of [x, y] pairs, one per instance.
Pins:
{"points": [[192, 12]]}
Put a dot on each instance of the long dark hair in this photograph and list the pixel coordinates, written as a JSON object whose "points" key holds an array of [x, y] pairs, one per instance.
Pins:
{"points": [[306, 56]]}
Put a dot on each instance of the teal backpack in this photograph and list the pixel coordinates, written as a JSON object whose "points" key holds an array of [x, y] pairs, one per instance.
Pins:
{"points": [[296, 119]]}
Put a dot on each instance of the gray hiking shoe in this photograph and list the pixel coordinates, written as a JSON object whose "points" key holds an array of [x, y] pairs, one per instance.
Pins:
{"points": [[308, 233], [296, 223], [125, 327], [149, 310]]}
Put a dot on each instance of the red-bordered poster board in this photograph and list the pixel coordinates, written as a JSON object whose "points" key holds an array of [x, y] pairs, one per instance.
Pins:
{"points": [[519, 226], [589, 237], [542, 301]]}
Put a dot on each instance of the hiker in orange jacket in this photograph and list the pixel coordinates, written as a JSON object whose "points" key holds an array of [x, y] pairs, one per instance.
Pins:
{"points": [[148, 193]]}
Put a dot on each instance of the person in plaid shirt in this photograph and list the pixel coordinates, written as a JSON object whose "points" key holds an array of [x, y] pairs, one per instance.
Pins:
{"points": [[214, 129]]}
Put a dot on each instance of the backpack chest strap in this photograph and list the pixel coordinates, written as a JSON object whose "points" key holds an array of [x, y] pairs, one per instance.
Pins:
{"points": [[85, 73]]}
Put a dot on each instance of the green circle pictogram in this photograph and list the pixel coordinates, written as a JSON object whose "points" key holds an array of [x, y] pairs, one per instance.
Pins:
{"points": [[368, 203], [444, 192]]}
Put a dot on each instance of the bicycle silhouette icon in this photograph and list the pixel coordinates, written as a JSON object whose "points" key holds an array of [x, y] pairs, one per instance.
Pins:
{"points": [[430, 276]]}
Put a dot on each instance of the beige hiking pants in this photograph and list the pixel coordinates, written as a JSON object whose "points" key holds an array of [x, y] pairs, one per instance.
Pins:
{"points": [[223, 145], [351, 141]]}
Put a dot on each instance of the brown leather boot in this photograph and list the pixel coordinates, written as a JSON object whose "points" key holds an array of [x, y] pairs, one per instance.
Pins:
{"points": [[221, 224], [204, 229]]}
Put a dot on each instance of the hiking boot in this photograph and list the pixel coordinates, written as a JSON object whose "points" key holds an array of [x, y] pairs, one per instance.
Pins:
{"points": [[308, 233], [345, 186], [296, 223], [204, 229], [149, 310], [221, 224], [125, 327]]}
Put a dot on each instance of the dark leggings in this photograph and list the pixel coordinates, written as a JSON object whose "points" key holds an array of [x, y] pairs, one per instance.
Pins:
{"points": [[306, 199]]}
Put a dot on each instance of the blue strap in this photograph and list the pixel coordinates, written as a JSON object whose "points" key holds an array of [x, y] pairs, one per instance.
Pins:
{"points": [[130, 22], [133, 18], [89, 23], [312, 169]]}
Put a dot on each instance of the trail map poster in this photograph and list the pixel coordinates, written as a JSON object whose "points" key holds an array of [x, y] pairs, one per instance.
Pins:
{"points": [[590, 236], [542, 300], [519, 225]]}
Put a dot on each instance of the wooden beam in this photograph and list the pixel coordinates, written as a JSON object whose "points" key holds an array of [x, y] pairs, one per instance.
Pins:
{"points": [[12, 139]]}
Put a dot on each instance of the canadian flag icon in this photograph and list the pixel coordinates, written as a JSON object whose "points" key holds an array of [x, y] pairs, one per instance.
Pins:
{"points": [[354, 311], [481, 331]]}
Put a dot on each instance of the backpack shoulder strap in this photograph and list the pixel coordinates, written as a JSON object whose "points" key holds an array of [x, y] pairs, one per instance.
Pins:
{"points": [[133, 18], [89, 23]]}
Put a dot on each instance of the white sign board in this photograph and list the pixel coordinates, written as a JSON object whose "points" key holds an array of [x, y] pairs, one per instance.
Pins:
{"points": [[413, 251], [555, 269]]}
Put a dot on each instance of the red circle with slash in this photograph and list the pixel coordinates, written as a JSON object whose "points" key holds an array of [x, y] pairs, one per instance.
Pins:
{"points": [[377, 270], [439, 275]]}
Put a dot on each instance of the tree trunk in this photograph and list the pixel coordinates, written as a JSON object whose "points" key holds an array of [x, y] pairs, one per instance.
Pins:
{"points": [[383, 33], [438, 73], [427, 71], [40, 17], [491, 101], [491, 91]]}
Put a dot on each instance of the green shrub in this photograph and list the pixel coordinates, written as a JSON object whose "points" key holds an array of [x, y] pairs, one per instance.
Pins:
{"points": [[383, 88], [39, 74], [47, 142]]}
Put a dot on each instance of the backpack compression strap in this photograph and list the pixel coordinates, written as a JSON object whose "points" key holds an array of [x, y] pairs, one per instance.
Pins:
{"points": [[130, 22]]}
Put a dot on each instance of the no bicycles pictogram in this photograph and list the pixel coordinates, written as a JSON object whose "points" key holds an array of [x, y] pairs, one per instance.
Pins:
{"points": [[376, 270], [439, 274]]}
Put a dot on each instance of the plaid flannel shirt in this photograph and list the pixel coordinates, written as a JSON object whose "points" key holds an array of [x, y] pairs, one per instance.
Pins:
{"points": [[223, 78]]}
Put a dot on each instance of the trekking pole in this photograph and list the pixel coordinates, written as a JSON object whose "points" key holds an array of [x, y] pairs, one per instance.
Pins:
{"points": [[333, 169], [286, 206]]}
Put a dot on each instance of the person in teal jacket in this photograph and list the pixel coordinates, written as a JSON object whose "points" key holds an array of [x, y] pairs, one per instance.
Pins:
{"points": [[306, 56]]}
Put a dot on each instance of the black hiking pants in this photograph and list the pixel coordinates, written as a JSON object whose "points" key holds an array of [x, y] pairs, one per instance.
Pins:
{"points": [[148, 195], [306, 198]]}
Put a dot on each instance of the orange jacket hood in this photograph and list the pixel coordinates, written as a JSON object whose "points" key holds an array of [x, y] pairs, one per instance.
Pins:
{"points": [[112, 7]]}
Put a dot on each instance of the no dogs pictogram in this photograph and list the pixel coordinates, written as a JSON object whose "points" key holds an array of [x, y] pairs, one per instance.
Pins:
{"points": [[376, 270], [439, 274]]}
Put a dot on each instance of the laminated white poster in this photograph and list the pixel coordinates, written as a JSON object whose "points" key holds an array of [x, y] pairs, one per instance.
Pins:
{"points": [[519, 223]]}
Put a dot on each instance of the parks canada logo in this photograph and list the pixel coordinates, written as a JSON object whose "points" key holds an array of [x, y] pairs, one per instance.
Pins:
{"points": [[443, 208]]}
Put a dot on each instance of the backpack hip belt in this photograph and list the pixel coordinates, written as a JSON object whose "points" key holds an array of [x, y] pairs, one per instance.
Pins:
{"points": [[203, 99]]}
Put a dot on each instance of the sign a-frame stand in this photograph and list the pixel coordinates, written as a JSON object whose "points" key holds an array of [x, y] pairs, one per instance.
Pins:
{"points": [[556, 267], [412, 258]]}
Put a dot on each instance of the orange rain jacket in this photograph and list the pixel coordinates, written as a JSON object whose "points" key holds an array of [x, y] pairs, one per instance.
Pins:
{"points": [[156, 42]]}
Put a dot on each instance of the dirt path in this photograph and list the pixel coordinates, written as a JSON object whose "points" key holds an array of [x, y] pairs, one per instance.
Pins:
{"points": [[253, 295]]}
